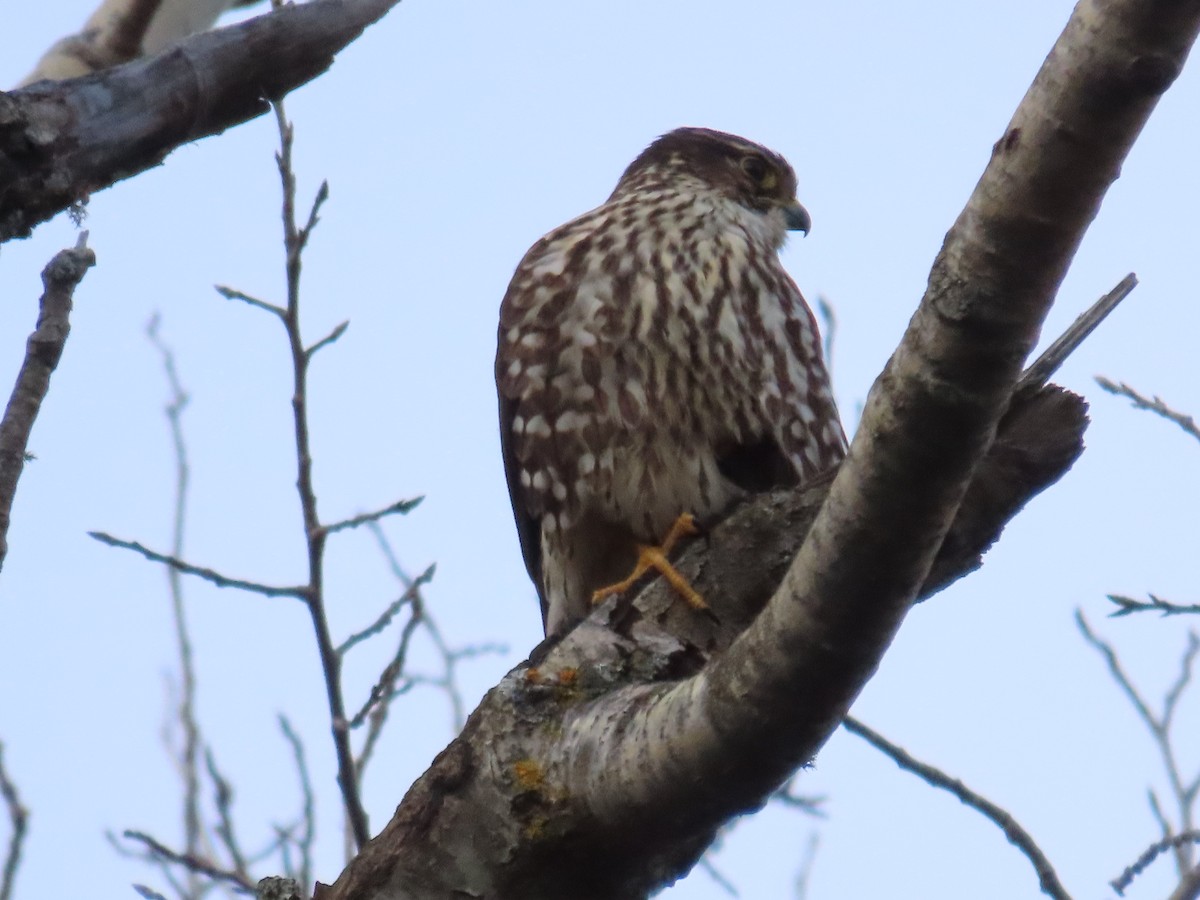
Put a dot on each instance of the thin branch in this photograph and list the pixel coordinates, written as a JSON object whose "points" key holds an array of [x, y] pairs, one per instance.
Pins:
{"points": [[18, 817], [400, 507], [384, 686], [315, 533], [300, 592], [1047, 364], [223, 801], [189, 760], [313, 218], [190, 863], [1016, 835], [1118, 674], [305, 843], [718, 876], [1151, 404], [1171, 701], [1159, 728], [43, 350], [231, 294], [450, 657], [1127, 605], [1122, 881], [800, 889], [388, 614], [327, 340], [813, 806]]}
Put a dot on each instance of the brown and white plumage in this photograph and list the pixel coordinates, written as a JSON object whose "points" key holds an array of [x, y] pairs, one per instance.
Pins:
{"points": [[655, 359]]}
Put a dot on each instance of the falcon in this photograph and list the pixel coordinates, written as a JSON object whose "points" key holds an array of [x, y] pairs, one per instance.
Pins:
{"points": [[656, 364]]}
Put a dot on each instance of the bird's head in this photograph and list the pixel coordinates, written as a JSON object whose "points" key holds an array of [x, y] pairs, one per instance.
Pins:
{"points": [[740, 170]]}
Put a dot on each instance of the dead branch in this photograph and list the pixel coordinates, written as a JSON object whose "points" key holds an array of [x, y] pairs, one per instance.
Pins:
{"points": [[42, 353]]}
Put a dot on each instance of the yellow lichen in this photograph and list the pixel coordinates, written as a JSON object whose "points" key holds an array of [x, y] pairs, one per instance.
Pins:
{"points": [[529, 774]]}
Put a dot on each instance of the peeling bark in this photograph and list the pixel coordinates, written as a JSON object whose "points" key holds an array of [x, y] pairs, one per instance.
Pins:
{"points": [[62, 141], [602, 767]]}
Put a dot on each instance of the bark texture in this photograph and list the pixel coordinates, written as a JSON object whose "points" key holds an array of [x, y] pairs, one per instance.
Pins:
{"points": [[62, 141], [603, 766]]}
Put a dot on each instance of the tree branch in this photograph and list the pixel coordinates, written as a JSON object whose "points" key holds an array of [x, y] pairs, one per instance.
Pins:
{"points": [[603, 766], [18, 817], [62, 141], [1017, 836], [42, 353]]}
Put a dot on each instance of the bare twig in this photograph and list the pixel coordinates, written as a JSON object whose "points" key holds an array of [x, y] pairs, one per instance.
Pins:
{"points": [[1047, 364], [1122, 881], [313, 218], [400, 507], [42, 353], [190, 863], [223, 801], [294, 241], [189, 761], [1016, 835], [1160, 732], [18, 817], [409, 596], [384, 687], [800, 888], [230, 294], [718, 876], [327, 340], [300, 592], [305, 842], [1151, 404], [813, 806], [450, 657], [1127, 605]]}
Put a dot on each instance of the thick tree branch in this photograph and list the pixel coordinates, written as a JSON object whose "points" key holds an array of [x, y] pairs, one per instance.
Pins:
{"points": [[62, 141], [604, 768]]}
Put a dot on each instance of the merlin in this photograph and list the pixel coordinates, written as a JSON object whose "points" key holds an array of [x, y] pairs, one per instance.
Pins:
{"points": [[656, 364]]}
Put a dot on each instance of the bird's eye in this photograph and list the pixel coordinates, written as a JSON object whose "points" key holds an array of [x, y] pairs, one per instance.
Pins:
{"points": [[755, 167]]}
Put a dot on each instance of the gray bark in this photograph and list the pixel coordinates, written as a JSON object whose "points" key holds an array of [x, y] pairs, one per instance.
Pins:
{"points": [[61, 141], [602, 766]]}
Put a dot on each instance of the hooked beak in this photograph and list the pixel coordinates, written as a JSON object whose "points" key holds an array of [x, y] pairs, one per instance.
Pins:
{"points": [[797, 217]]}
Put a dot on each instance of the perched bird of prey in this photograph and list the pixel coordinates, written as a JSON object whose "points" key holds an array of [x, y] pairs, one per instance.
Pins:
{"points": [[656, 363]]}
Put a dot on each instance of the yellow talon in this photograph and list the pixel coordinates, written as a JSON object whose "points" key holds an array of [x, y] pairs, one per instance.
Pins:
{"points": [[656, 558]]}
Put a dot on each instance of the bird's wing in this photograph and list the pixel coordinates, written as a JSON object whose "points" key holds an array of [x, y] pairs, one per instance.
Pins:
{"points": [[529, 528]]}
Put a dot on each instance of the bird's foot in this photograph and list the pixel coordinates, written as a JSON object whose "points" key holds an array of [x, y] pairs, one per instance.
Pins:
{"points": [[650, 557]]}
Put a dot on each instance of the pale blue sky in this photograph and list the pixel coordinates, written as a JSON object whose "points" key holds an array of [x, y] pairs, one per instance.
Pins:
{"points": [[453, 135]]}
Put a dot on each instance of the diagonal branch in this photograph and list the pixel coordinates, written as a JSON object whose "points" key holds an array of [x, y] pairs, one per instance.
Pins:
{"points": [[1018, 836], [612, 757], [62, 141], [212, 576], [42, 353]]}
